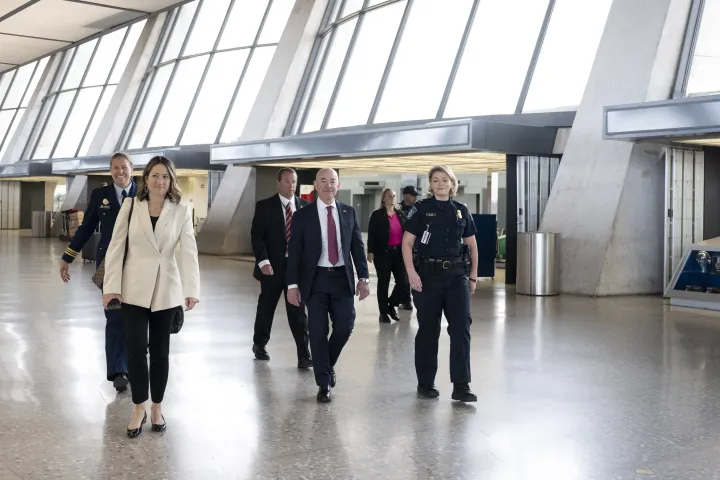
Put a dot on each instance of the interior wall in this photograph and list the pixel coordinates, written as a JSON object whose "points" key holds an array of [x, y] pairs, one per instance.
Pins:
{"points": [[711, 200], [32, 199]]}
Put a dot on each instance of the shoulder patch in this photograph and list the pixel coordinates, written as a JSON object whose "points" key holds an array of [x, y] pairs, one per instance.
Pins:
{"points": [[412, 212]]}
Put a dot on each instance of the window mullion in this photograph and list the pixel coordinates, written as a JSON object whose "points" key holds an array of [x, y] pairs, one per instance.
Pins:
{"points": [[535, 57]]}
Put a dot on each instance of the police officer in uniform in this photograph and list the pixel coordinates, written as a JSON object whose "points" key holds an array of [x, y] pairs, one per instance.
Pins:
{"points": [[103, 209], [442, 276]]}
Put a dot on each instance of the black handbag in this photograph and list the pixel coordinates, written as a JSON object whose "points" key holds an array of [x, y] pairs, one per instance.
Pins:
{"points": [[178, 320]]}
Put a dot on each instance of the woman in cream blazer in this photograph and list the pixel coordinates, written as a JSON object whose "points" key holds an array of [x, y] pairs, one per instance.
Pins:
{"points": [[153, 281]]}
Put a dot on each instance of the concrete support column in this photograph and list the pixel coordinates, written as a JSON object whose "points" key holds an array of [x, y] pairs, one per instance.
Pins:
{"points": [[109, 133], [227, 228], [607, 200]]}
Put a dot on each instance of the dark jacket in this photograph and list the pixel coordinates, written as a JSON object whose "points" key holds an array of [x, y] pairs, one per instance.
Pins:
{"points": [[379, 230], [267, 233], [306, 247], [102, 209]]}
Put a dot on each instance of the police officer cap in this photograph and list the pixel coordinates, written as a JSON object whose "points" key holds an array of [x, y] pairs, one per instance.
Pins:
{"points": [[410, 190]]}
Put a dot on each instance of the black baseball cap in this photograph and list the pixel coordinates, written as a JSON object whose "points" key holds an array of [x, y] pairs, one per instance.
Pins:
{"points": [[410, 190]]}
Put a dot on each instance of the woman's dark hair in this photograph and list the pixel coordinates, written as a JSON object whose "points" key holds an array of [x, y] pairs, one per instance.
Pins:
{"points": [[174, 193]]}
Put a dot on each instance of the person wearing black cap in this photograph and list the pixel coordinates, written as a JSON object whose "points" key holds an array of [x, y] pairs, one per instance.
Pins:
{"points": [[410, 196]]}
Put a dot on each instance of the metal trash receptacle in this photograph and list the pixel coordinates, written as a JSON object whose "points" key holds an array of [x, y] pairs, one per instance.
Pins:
{"points": [[40, 224], [538, 258]]}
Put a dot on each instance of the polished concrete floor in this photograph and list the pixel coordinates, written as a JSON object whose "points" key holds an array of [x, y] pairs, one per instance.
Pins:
{"points": [[569, 388]]}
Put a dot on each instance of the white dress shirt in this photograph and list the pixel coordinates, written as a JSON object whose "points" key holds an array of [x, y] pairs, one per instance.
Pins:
{"points": [[119, 191], [284, 201], [323, 214]]}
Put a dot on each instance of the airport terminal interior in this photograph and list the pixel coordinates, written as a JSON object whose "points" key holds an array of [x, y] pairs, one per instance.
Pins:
{"points": [[585, 138]]}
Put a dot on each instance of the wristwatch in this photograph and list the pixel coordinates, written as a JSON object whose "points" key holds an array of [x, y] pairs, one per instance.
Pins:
{"points": [[364, 280]]}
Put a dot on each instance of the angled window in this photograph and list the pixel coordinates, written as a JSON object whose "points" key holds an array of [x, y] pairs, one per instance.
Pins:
{"points": [[704, 76], [567, 55], [80, 94], [207, 72], [16, 88]]}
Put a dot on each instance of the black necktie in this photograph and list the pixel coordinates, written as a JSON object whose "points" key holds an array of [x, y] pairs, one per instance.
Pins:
{"points": [[124, 196]]}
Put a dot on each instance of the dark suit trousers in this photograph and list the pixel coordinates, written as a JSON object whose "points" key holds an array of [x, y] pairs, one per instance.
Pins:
{"points": [[115, 345], [330, 295], [386, 264], [271, 287]]}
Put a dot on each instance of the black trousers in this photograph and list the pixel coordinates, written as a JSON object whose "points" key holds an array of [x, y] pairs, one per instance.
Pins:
{"points": [[138, 321], [443, 293], [271, 287], [386, 264], [330, 295]]}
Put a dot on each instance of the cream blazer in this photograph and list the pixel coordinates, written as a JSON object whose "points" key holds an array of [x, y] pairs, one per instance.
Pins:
{"points": [[154, 276]]}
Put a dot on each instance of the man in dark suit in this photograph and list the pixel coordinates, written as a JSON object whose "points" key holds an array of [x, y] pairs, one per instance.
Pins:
{"points": [[271, 228], [325, 241], [102, 210]]}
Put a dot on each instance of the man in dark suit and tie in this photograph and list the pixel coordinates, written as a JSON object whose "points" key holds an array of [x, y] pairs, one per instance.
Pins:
{"points": [[271, 229], [325, 241]]}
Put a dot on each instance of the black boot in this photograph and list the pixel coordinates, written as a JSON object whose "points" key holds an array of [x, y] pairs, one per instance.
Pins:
{"points": [[462, 393]]}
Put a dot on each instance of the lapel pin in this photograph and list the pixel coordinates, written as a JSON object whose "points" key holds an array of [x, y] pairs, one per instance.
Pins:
{"points": [[105, 201]]}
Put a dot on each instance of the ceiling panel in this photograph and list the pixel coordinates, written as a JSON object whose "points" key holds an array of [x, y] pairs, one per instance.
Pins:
{"points": [[143, 5], [20, 50], [41, 27], [459, 162]]}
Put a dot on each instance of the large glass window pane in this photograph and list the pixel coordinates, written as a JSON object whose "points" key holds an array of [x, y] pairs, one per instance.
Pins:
{"points": [[77, 122], [79, 65], [329, 76], [62, 70], [367, 64], [276, 21], [22, 78], [243, 23], [104, 58], [5, 81], [311, 80], [496, 58], [423, 60], [128, 47], [54, 125], [215, 96], [207, 27], [6, 118], [176, 105], [34, 82], [249, 89], [705, 69], [10, 132], [150, 107], [177, 37], [567, 55], [97, 118]]}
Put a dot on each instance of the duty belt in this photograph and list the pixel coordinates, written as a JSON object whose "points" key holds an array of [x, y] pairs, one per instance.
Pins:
{"points": [[443, 263]]}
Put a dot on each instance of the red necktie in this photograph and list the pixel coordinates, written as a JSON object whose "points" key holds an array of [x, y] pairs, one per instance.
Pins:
{"points": [[288, 225], [332, 238]]}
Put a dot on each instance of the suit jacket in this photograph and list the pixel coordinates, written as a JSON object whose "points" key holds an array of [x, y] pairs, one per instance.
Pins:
{"points": [[152, 277], [306, 247], [267, 233], [102, 209], [379, 230]]}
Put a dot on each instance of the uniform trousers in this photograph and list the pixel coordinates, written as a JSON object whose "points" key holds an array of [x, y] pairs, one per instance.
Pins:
{"points": [[115, 344], [330, 295], [138, 321], [446, 292]]}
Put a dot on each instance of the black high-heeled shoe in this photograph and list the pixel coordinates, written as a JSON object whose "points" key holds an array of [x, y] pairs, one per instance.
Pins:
{"points": [[160, 428], [132, 433]]}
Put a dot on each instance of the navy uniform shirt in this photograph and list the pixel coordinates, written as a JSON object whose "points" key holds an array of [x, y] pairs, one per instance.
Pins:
{"points": [[102, 209], [448, 222]]}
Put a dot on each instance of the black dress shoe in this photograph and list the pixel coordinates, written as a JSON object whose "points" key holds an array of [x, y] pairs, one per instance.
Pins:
{"points": [[160, 428], [260, 353], [384, 318], [394, 314], [408, 307], [304, 363], [324, 395], [333, 378], [428, 391], [120, 382], [132, 433], [462, 393]]}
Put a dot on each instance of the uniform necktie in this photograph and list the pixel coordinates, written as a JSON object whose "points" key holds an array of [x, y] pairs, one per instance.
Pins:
{"points": [[332, 238], [124, 196], [288, 225]]}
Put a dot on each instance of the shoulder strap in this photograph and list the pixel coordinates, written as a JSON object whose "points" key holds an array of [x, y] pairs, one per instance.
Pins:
{"points": [[127, 237]]}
